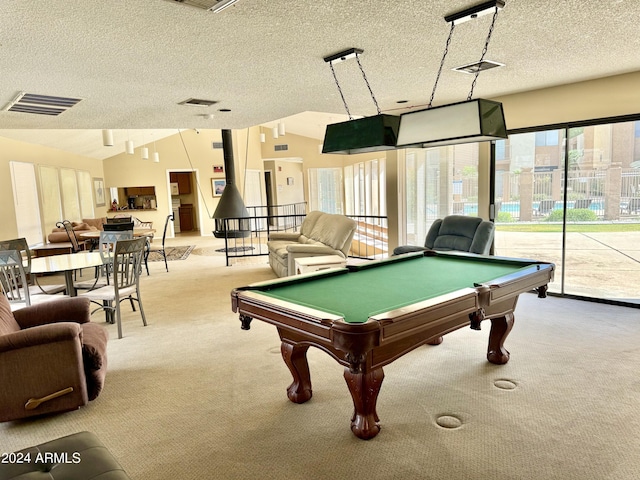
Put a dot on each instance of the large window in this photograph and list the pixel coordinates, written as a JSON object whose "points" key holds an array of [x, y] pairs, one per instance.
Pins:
{"points": [[358, 191], [56, 194], [25, 201], [571, 196], [365, 188], [439, 182], [325, 190]]}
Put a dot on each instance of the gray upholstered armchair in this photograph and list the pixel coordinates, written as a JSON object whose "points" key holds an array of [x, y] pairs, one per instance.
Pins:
{"points": [[320, 234], [456, 232], [52, 358]]}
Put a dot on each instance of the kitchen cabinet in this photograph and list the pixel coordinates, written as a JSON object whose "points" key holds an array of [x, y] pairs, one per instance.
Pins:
{"points": [[137, 191], [186, 218], [183, 180]]}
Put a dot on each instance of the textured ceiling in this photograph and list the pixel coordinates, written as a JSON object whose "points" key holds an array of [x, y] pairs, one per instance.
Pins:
{"points": [[132, 62]]}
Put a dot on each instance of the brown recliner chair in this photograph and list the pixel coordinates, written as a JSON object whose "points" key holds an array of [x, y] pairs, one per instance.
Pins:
{"points": [[52, 358]]}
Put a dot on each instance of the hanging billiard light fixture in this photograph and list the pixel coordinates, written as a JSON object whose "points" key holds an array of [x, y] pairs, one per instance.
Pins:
{"points": [[469, 121], [369, 134]]}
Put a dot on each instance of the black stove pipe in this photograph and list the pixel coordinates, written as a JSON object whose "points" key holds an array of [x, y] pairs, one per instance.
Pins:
{"points": [[231, 206]]}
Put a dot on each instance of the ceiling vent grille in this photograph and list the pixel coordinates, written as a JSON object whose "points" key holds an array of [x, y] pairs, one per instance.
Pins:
{"points": [[203, 4], [218, 145], [281, 148], [41, 104], [476, 67], [214, 6], [198, 102]]}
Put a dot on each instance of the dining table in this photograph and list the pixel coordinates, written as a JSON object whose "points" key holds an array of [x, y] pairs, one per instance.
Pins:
{"points": [[66, 263], [95, 234]]}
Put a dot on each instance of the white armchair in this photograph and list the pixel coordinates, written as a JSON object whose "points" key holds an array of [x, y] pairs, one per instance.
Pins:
{"points": [[320, 234]]}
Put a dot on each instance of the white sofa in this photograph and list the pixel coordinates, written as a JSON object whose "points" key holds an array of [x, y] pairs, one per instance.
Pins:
{"points": [[320, 234]]}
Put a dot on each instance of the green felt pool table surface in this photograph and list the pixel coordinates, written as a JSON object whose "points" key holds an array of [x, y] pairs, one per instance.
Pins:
{"points": [[369, 289]]}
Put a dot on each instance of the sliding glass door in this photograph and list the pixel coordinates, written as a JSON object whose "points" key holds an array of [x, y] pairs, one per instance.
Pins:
{"points": [[571, 196], [602, 253], [529, 197]]}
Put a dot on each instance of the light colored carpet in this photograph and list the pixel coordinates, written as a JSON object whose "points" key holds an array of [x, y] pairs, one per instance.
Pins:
{"points": [[192, 396]]}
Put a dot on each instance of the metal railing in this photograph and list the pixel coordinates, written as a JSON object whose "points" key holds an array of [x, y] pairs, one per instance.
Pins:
{"points": [[262, 220], [371, 238], [611, 195]]}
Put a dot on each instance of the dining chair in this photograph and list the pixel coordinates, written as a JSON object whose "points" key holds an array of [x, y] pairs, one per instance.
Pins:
{"points": [[35, 288], [106, 243], [120, 219], [118, 226], [13, 279], [68, 227], [159, 248], [127, 265], [14, 284]]}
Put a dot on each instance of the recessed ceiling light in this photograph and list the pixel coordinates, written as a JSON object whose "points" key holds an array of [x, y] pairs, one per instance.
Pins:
{"points": [[478, 66]]}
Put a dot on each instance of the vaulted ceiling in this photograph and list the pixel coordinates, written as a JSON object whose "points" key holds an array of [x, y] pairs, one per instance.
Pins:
{"points": [[132, 63]]}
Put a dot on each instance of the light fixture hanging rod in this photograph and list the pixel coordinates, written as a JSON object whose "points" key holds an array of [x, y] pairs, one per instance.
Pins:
{"points": [[342, 56], [474, 12]]}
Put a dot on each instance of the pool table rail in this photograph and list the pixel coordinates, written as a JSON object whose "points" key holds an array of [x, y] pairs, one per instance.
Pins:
{"points": [[534, 277]]}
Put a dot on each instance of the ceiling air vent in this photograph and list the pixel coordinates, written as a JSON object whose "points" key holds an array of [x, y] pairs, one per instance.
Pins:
{"points": [[218, 145], [281, 148], [40, 104], [198, 102], [478, 66], [214, 6], [204, 4]]}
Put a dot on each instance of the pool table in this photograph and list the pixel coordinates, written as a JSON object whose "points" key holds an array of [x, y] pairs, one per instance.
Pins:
{"points": [[365, 316]]}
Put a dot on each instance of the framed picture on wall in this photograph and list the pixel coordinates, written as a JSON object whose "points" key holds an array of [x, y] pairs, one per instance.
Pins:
{"points": [[218, 170], [217, 186], [98, 190]]}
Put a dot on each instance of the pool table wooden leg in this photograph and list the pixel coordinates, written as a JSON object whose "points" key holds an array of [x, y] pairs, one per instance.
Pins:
{"points": [[500, 328], [295, 356], [364, 388]]}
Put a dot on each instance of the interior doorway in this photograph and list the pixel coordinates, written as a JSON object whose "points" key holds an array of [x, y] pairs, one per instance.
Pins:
{"points": [[183, 185]]}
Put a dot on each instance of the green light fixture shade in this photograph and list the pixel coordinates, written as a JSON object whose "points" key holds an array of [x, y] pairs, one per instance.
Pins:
{"points": [[464, 122], [363, 135]]}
